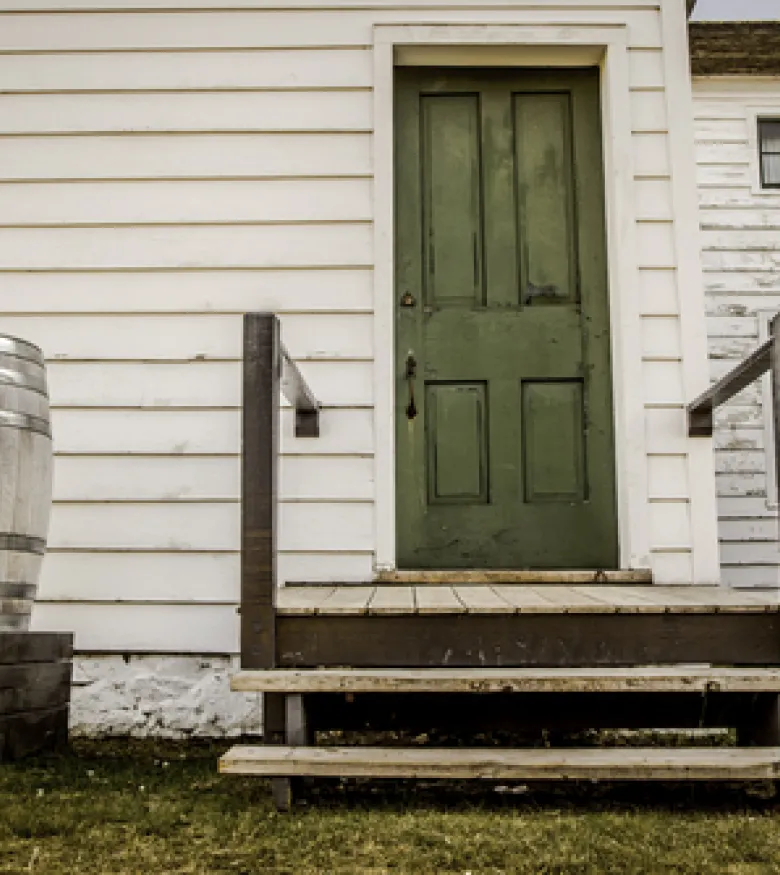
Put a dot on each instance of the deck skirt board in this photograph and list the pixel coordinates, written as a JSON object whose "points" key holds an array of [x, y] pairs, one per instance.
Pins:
{"points": [[508, 598], [640, 679], [606, 764]]}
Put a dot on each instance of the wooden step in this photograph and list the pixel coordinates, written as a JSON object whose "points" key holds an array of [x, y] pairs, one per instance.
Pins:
{"points": [[639, 679], [602, 764]]}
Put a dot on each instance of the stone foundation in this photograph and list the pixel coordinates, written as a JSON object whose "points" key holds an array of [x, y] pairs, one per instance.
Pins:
{"points": [[160, 696]]}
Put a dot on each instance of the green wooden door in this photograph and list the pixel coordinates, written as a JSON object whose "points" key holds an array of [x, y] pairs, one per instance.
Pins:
{"points": [[504, 436]]}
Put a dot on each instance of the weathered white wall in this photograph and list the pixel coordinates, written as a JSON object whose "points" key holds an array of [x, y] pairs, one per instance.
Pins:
{"points": [[169, 697], [164, 168], [741, 260]]}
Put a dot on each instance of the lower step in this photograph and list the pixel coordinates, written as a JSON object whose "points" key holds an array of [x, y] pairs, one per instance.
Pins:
{"points": [[603, 764]]}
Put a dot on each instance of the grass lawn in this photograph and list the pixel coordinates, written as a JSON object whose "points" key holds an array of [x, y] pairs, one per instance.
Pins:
{"points": [[133, 807]]}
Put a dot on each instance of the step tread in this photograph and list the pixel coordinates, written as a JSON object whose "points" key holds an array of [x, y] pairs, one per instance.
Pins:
{"points": [[677, 678], [609, 764]]}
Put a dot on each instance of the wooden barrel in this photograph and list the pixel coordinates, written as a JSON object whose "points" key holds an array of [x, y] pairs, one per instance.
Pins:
{"points": [[25, 477]]}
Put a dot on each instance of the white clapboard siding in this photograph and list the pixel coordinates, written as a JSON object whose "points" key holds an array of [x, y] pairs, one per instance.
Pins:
{"points": [[171, 432], [179, 576], [190, 337], [212, 291], [274, 28], [212, 111], [193, 384], [210, 527], [185, 202], [301, 5], [143, 628], [741, 257], [191, 156], [168, 71], [168, 165], [160, 576], [212, 478], [198, 246]]}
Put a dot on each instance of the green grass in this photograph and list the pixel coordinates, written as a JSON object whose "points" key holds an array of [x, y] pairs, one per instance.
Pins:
{"points": [[133, 807]]}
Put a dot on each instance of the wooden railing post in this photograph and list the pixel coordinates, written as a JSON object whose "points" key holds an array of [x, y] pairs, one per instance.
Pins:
{"points": [[260, 453], [774, 334]]}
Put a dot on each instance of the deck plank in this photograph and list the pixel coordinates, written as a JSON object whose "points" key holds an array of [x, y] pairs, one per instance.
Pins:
{"points": [[347, 600], [437, 600], [497, 598], [642, 679], [697, 599], [301, 600], [482, 600], [606, 764], [392, 600], [624, 599], [524, 599], [566, 599]]}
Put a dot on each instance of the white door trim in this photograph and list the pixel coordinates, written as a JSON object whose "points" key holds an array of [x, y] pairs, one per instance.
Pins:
{"points": [[531, 45]]}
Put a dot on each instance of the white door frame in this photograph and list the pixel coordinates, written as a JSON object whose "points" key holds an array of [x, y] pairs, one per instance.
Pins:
{"points": [[514, 44]]}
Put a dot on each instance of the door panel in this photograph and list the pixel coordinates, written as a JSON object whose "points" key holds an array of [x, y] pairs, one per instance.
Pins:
{"points": [[504, 434], [456, 437]]}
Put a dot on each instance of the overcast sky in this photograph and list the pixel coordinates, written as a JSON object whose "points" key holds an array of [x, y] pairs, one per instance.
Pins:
{"points": [[729, 10]]}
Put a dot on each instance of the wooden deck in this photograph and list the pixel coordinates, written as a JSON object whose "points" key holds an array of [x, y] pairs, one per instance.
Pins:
{"points": [[341, 600]]}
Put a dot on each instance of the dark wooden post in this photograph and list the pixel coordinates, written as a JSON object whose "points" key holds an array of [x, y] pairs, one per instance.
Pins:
{"points": [[260, 454]]}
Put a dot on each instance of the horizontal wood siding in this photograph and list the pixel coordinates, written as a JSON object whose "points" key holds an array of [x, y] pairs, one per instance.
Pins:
{"points": [[741, 260], [166, 165]]}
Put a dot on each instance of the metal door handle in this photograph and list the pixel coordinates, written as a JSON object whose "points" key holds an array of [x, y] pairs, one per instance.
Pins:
{"points": [[411, 373]]}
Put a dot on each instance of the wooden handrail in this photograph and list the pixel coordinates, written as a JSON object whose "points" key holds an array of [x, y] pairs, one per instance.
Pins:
{"points": [[700, 411], [298, 394], [765, 358], [268, 371]]}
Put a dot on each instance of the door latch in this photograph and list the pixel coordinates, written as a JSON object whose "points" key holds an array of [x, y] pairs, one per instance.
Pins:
{"points": [[411, 374]]}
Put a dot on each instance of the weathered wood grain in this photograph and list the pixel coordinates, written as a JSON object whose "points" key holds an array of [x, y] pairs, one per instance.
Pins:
{"points": [[557, 639], [325, 599], [638, 679], [616, 764], [260, 458]]}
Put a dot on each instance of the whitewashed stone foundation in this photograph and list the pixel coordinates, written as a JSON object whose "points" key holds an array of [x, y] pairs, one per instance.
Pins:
{"points": [[160, 696]]}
